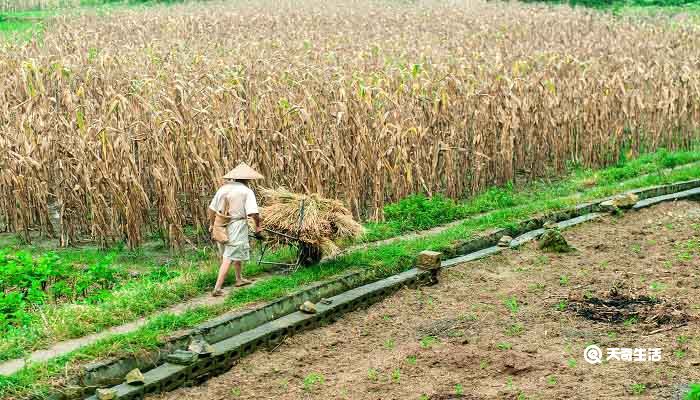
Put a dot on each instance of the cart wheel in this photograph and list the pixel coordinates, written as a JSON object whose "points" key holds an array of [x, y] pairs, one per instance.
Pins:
{"points": [[310, 255]]}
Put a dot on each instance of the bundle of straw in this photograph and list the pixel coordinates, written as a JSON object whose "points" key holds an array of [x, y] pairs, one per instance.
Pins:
{"points": [[325, 221]]}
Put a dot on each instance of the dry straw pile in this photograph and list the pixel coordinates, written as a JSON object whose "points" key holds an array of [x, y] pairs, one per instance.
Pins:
{"points": [[125, 123], [318, 222]]}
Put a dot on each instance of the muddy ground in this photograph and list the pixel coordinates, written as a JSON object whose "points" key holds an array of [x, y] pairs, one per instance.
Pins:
{"points": [[513, 326]]}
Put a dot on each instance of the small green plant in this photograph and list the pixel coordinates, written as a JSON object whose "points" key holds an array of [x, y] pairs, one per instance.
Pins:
{"points": [[571, 362], [563, 280], [657, 286], [483, 364], [412, 360], [636, 248], [504, 346], [509, 383], [389, 344], [562, 305], [428, 341], [537, 287], [236, 392], [679, 353], [638, 389], [459, 390], [630, 321], [313, 380], [682, 339], [372, 374], [396, 375], [551, 380], [511, 304], [515, 330]]}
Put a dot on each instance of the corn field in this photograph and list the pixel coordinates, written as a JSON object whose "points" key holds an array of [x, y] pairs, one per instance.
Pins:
{"points": [[22, 5], [120, 126]]}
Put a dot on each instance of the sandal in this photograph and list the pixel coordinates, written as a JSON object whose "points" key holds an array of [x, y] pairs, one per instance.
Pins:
{"points": [[243, 282], [217, 293]]}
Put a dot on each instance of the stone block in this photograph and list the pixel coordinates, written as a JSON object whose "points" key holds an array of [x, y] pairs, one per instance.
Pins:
{"points": [[428, 260]]}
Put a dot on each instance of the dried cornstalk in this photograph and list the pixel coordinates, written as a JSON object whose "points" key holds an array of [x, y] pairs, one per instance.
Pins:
{"points": [[125, 122]]}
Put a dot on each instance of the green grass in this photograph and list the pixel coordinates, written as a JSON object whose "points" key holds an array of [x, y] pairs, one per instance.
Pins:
{"points": [[693, 392], [617, 4], [28, 24], [376, 262]]}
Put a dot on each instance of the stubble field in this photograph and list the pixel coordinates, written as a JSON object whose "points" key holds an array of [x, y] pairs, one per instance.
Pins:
{"points": [[121, 125]]}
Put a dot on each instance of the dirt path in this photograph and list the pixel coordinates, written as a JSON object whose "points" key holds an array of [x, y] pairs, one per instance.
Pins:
{"points": [[508, 327], [65, 347]]}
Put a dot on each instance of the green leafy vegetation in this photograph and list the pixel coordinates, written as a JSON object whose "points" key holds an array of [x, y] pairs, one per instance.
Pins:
{"points": [[638, 389], [26, 281], [504, 346], [313, 380], [459, 390], [693, 392], [512, 304], [428, 341]]}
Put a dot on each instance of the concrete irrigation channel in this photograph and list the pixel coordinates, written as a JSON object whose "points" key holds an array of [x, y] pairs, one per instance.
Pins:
{"points": [[235, 336]]}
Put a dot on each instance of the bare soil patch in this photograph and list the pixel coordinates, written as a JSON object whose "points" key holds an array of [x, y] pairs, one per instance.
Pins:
{"points": [[513, 326]]}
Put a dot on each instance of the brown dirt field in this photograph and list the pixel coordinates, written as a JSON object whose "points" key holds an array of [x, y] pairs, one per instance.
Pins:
{"points": [[491, 351]]}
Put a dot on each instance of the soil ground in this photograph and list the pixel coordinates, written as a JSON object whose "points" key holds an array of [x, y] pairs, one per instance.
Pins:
{"points": [[506, 327]]}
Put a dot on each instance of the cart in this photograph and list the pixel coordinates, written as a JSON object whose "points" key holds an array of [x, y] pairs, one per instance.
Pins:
{"points": [[303, 254]]}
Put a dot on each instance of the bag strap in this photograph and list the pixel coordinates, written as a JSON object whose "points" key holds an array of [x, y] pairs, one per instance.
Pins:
{"points": [[225, 214]]}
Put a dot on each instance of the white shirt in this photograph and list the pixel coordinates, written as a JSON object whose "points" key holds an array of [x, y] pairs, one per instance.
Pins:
{"points": [[242, 203], [241, 199]]}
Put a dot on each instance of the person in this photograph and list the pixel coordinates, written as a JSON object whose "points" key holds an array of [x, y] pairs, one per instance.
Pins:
{"points": [[237, 201]]}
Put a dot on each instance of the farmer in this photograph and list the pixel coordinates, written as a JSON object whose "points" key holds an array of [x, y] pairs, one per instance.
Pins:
{"points": [[228, 213]]}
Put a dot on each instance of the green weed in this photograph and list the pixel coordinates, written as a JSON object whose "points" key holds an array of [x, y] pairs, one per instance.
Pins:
{"points": [[428, 341], [313, 380], [504, 346], [372, 374], [459, 390], [515, 330], [638, 389], [562, 305], [693, 392], [512, 305], [396, 375]]}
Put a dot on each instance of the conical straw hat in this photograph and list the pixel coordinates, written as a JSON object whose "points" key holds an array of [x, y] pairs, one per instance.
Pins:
{"points": [[243, 171]]}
